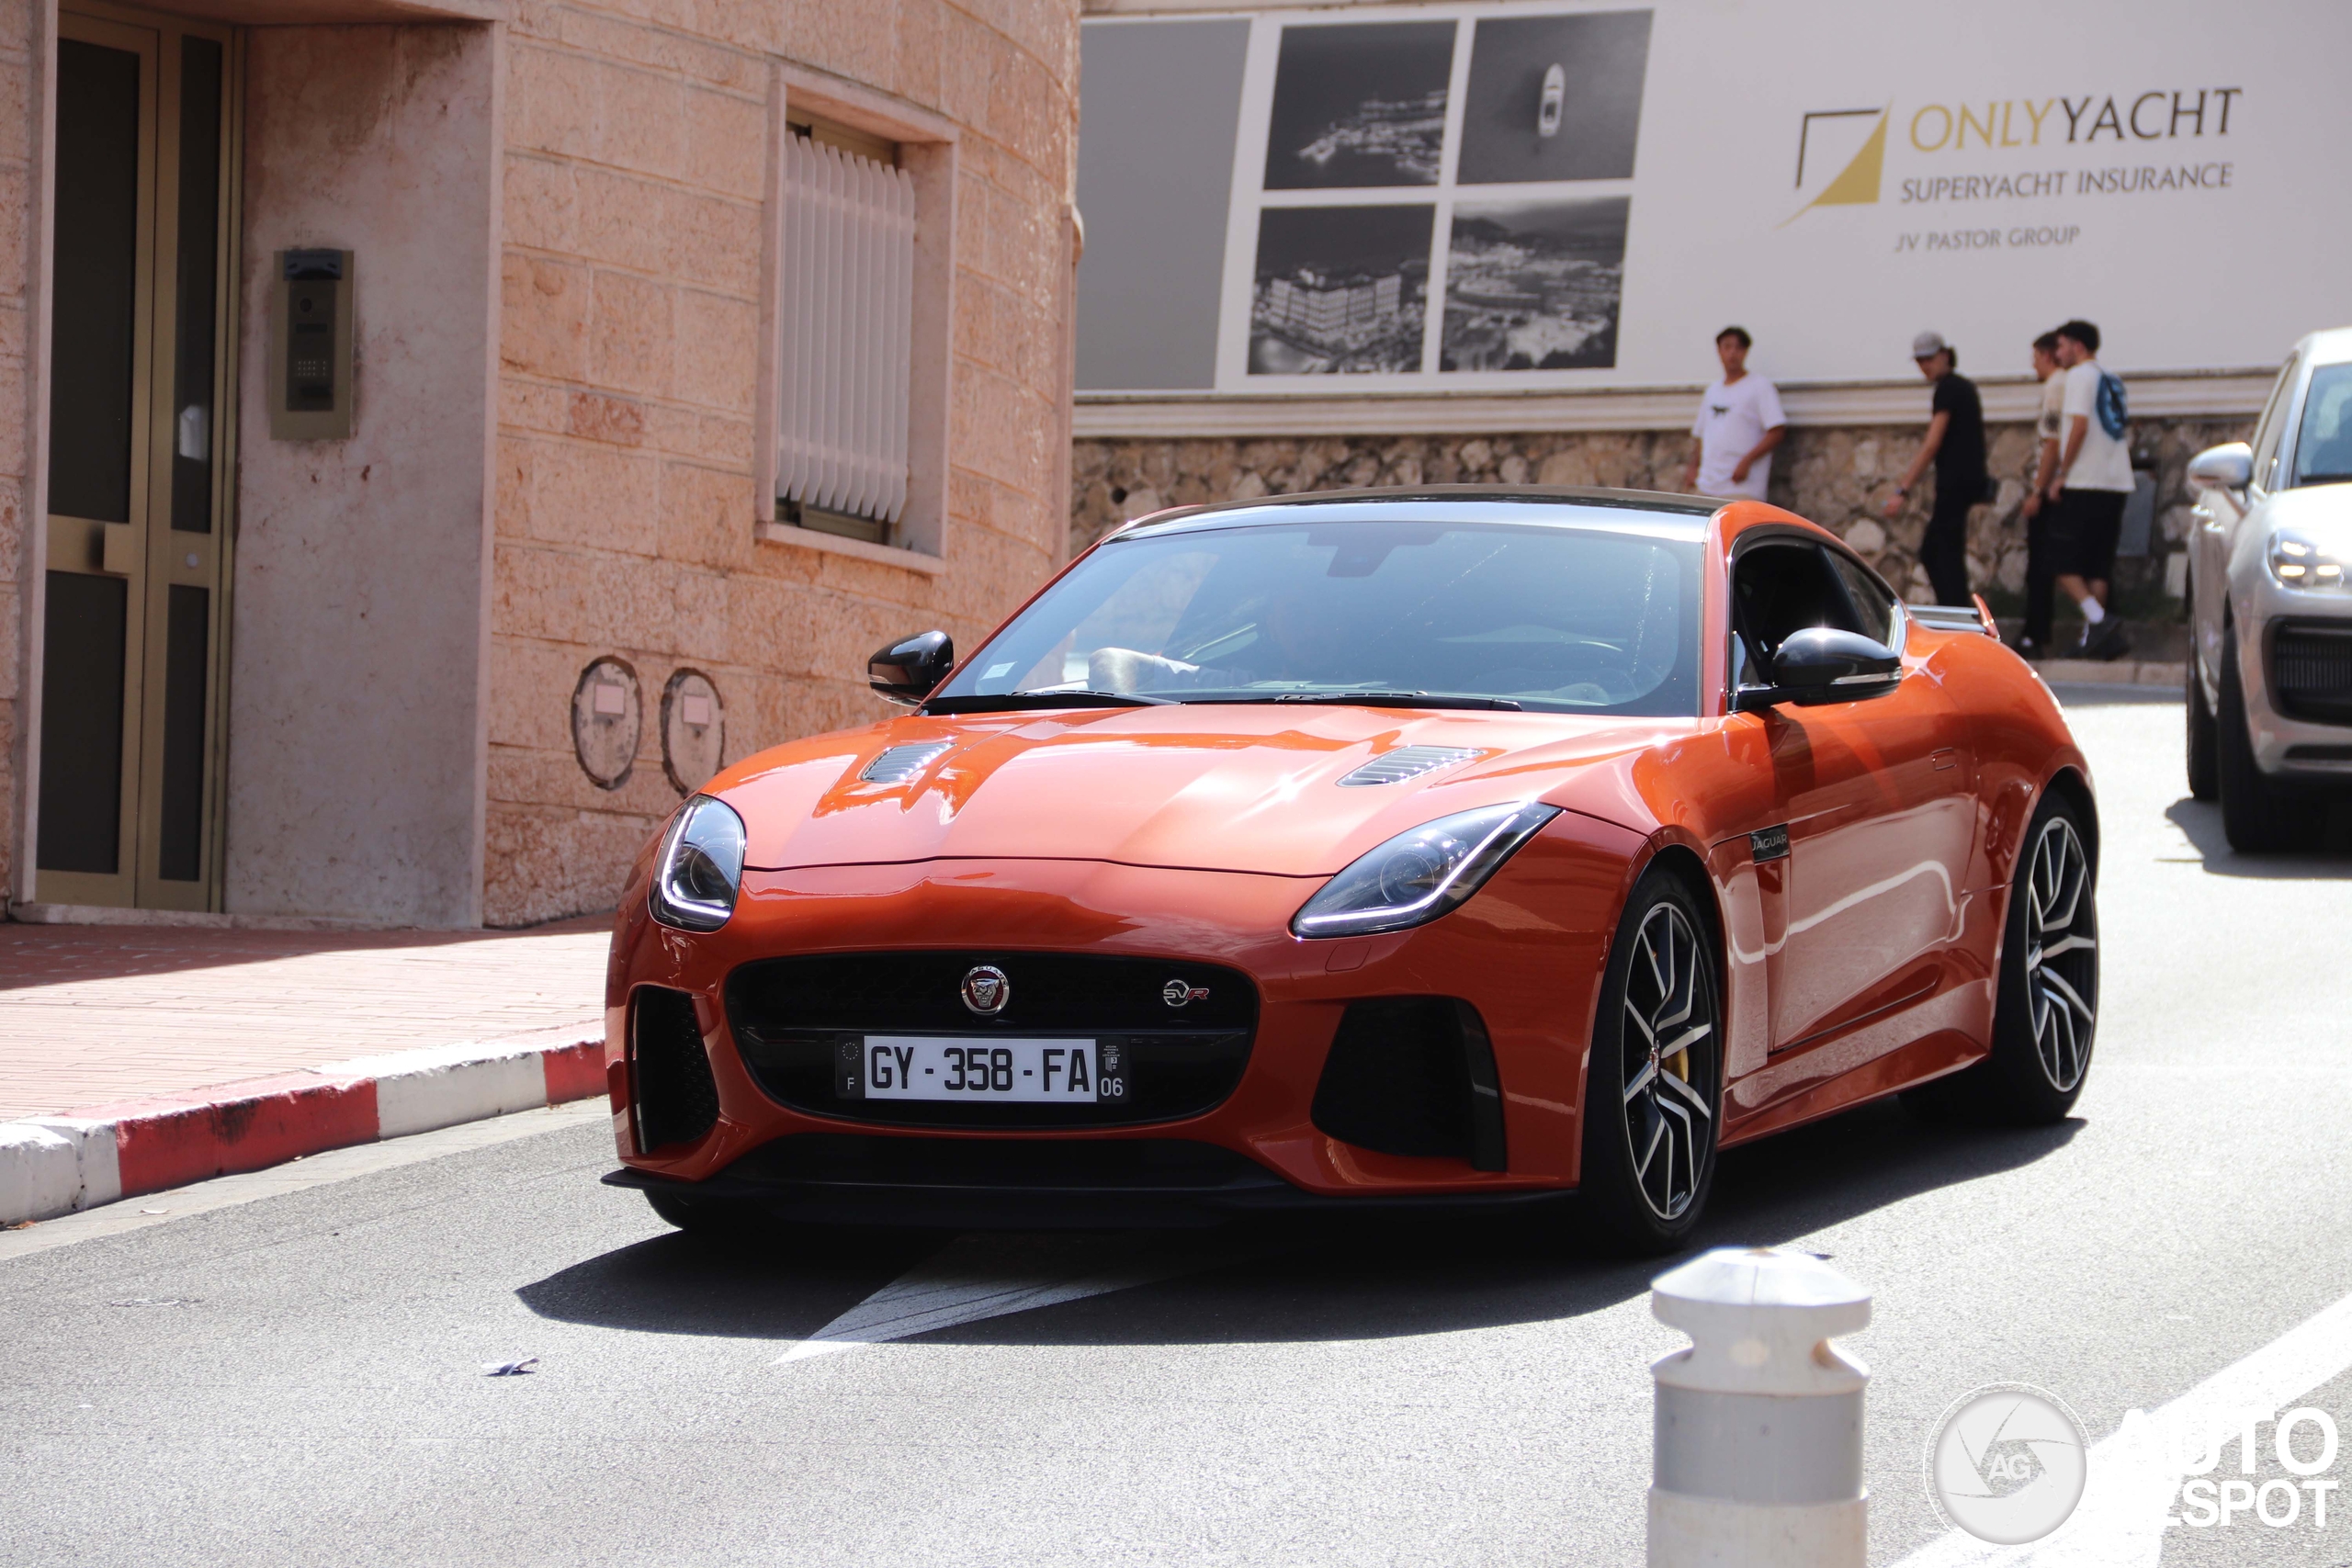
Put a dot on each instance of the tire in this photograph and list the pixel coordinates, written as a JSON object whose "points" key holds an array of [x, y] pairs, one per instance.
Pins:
{"points": [[2204, 745], [712, 1219], [2046, 1014], [1654, 1082], [2258, 818]]}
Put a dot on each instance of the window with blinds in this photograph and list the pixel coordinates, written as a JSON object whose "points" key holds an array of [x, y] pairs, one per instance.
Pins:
{"points": [[845, 310]]}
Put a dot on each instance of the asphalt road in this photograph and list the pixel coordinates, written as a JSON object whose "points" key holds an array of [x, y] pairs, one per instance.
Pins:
{"points": [[298, 1379]]}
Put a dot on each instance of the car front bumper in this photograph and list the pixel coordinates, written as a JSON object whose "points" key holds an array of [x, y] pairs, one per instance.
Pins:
{"points": [[2294, 741], [1525, 955]]}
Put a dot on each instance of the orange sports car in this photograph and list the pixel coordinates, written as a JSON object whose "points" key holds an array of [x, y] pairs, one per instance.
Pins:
{"points": [[1363, 849]]}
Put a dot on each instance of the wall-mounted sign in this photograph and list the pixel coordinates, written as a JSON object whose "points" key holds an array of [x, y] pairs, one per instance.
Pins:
{"points": [[693, 730], [1493, 196], [607, 722]]}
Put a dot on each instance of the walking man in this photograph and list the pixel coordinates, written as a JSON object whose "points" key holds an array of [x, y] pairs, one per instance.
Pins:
{"points": [[2033, 638], [2089, 482], [1740, 423], [1955, 444]]}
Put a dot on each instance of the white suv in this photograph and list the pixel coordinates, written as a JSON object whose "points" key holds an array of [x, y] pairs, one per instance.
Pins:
{"points": [[2271, 609]]}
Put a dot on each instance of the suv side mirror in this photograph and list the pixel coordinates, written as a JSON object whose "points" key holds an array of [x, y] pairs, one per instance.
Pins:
{"points": [[1824, 664], [2227, 467], [911, 667]]}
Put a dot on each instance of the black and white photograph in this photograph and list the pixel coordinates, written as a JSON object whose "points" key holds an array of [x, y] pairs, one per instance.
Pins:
{"points": [[1553, 97], [1359, 105], [1534, 285], [1341, 289]]}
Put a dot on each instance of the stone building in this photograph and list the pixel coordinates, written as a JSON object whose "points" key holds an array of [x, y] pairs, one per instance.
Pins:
{"points": [[439, 431]]}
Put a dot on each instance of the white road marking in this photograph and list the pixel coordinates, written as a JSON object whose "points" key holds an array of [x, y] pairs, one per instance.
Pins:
{"points": [[982, 1276], [2135, 1472]]}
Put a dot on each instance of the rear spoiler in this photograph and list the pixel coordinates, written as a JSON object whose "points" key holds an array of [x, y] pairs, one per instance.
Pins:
{"points": [[1976, 618]]}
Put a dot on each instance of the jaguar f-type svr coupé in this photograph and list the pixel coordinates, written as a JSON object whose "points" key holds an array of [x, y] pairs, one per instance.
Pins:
{"points": [[1376, 848]]}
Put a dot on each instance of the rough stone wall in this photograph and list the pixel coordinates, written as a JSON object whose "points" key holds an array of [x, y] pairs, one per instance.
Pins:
{"points": [[19, 232], [637, 140], [1838, 476]]}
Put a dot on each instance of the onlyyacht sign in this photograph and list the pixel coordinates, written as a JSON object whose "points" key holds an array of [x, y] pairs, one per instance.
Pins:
{"points": [[1523, 195]]}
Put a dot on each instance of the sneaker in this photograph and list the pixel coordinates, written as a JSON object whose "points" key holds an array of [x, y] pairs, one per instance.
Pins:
{"points": [[2108, 640]]}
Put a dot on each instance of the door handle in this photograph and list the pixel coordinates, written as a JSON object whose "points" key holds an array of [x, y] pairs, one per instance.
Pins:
{"points": [[121, 555], [1947, 758]]}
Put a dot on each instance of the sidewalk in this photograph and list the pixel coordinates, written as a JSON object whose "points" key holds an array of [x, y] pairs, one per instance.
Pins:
{"points": [[138, 1056]]}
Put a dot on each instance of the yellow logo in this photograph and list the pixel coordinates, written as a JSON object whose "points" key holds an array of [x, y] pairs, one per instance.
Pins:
{"points": [[1821, 137]]}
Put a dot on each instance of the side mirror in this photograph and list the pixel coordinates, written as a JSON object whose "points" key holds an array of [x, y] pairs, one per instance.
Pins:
{"points": [[1823, 664], [2227, 467], [910, 668]]}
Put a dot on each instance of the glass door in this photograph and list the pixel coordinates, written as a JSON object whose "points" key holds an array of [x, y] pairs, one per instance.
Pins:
{"points": [[130, 698]]}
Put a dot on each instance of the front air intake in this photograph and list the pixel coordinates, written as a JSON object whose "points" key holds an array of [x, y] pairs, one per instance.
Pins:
{"points": [[671, 1089], [1413, 1075]]}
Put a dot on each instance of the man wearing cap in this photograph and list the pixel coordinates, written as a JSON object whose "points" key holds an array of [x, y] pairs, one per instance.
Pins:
{"points": [[1955, 444]]}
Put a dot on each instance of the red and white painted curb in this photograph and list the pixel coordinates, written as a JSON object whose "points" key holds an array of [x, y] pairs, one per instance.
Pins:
{"points": [[56, 1164]]}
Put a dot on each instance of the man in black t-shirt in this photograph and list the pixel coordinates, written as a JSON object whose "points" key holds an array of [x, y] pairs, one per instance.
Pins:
{"points": [[1955, 443]]}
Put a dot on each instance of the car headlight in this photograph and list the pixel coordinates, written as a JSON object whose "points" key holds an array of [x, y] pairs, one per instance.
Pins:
{"points": [[1417, 876], [701, 868], [2298, 560]]}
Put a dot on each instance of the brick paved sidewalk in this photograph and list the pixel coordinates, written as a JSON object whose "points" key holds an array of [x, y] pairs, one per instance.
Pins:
{"points": [[93, 1015]]}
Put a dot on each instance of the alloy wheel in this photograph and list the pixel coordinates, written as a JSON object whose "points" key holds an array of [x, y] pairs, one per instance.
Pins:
{"points": [[2061, 954], [1670, 1047]]}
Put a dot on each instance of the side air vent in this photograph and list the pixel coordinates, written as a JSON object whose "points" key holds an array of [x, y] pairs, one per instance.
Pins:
{"points": [[671, 1087], [900, 764], [1405, 763], [1413, 1075]]}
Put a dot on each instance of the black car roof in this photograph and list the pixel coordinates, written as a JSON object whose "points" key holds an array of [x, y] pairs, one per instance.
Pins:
{"points": [[1678, 516]]}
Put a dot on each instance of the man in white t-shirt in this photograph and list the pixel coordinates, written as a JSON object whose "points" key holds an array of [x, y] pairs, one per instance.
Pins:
{"points": [[2090, 482], [1740, 423]]}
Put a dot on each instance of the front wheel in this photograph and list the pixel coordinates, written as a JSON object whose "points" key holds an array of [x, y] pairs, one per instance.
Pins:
{"points": [[1652, 1084]]}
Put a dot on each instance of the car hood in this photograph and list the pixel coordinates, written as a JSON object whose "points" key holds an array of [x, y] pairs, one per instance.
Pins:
{"points": [[1212, 787], [2310, 506]]}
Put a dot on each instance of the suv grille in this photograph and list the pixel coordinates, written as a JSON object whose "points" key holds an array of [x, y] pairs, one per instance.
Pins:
{"points": [[791, 1017], [2311, 671]]}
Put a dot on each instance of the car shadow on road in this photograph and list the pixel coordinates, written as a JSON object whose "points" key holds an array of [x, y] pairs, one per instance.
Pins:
{"points": [[1303, 1279], [2330, 858]]}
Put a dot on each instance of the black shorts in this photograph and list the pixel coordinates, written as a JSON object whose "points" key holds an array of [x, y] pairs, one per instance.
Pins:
{"points": [[2084, 533]]}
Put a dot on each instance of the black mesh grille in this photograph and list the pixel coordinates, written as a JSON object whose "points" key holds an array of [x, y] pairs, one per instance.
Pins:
{"points": [[2310, 671], [675, 1099], [1413, 1075], [792, 1016]]}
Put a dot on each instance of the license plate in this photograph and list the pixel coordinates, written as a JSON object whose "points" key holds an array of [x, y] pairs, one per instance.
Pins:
{"points": [[1051, 1072]]}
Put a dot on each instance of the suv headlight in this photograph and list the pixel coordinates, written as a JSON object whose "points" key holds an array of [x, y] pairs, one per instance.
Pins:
{"points": [[1417, 876], [701, 868], [2298, 560]]}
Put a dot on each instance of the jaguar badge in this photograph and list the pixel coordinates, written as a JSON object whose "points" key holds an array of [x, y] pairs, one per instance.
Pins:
{"points": [[986, 990], [1176, 993]]}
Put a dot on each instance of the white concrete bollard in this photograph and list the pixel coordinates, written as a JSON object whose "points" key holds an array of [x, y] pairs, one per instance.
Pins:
{"points": [[1757, 1457]]}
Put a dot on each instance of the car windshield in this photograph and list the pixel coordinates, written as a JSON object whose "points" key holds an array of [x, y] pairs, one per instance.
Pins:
{"points": [[1556, 618], [2324, 445]]}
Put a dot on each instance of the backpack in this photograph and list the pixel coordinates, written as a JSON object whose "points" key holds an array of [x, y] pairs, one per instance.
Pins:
{"points": [[2110, 403]]}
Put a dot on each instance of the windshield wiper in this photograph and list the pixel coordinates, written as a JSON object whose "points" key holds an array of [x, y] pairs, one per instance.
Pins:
{"points": [[1016, 702], [1371, 700]]}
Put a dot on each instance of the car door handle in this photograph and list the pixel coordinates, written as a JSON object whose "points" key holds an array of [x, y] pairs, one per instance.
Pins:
{"points": [[1947, 758]]}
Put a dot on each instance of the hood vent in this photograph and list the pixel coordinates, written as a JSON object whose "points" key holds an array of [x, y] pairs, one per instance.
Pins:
{"points": [[900, 764], [1405, 763]]}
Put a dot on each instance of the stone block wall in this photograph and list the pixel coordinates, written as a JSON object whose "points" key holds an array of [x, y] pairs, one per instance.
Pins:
{"points": [[23, 43], [636, 140], [1836, 476]]}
